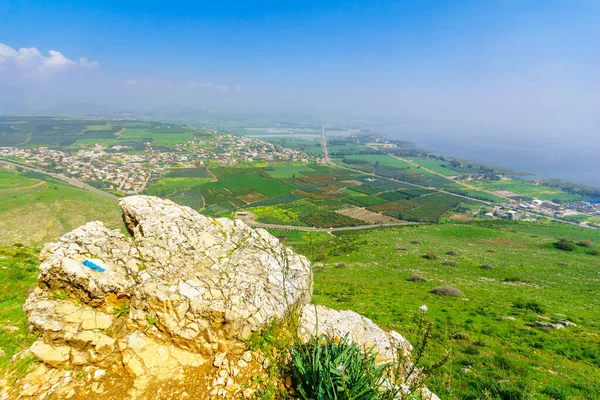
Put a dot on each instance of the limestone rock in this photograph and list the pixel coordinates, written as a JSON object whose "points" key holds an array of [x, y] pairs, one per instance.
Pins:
{"points": [[316, 320], [182, 289]]}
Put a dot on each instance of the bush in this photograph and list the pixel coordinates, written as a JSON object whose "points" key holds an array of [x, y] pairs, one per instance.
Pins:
{"points": [[324, 369], [491, 250], [585, 243], [594, 252], [447, 291], [430, 256], [450, 262], [341, 265], [452, 253], [486, 266], [416, 278], [563, 264], [565, 245], [531, 305], [401, 248], [415, 242]]}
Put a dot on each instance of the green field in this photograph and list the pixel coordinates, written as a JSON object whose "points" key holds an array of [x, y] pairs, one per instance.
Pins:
{"points": [[437, 166], [530, 189], [37, 210], [492, 355]]}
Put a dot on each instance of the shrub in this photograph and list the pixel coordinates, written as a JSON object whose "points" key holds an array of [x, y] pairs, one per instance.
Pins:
{"points": [[486, 266], [565, 245], [594, 252], [515, 279], [447, 291], [430, 256], [324, 368], [531, 305], [401, 248], [450, 262], [452, 253], [563, 264], [415, 242], [416, 278], [491, 250], [341, 265], [585, 243], [321, 256]]}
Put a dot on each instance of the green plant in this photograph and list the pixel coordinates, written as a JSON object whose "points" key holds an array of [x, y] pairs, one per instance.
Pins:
{"points": [[59, 295], [530, 305], [123, 311], [327, 368], [151, 321], [565, 245]]}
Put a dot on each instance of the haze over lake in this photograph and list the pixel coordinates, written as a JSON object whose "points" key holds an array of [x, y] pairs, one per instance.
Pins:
{"points": [[569, 160]]}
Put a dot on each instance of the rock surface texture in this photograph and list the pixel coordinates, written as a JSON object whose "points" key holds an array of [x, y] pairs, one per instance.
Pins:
{"points": [[182, 289], [164, 312]]}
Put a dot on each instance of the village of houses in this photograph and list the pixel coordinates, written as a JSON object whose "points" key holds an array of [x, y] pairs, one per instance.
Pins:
{"points": [[116, 167]]}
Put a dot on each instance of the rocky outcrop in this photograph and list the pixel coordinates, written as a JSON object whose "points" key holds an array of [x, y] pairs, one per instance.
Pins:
{"points": [[167, 308], [181, 289]]}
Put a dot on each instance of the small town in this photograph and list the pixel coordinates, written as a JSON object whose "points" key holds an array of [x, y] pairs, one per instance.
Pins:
{"points": [[118, 167]]}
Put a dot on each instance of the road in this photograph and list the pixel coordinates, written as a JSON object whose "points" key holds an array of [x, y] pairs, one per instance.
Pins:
{"points": [[313, 229], [71, 181], [324, 146]]}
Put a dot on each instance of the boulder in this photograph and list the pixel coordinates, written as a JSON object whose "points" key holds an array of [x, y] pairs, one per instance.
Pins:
{"points": [[182, 288], [316, 320]]}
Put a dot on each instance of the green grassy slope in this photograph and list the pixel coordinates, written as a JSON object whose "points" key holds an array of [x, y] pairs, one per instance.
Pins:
{"points": [[35, 211], [493, 355]]}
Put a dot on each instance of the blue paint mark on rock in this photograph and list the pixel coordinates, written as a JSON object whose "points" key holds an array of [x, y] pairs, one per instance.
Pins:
{"points": [[93, 265]]}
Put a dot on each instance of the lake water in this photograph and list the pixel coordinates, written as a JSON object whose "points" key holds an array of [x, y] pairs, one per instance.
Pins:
{"points": [[568, 160]]}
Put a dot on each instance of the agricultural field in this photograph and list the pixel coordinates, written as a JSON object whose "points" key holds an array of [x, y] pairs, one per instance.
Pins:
{"points": [[396, 168], [529, 189], [435, 165], [302, 194], [35, 208], [511, 279], [66, 133]]}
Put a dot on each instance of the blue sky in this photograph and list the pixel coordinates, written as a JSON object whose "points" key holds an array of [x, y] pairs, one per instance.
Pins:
{"points": [[467, 63]]}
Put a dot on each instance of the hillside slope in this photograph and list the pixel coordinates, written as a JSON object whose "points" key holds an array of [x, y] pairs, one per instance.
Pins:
{"points": [[35, 208]]}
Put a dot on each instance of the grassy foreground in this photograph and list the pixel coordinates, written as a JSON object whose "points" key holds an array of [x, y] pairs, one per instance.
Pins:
{"points": [[498, 352]]}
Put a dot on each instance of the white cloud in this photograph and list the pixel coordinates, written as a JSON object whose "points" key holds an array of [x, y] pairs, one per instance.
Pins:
{"points": [[29, 63]]}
